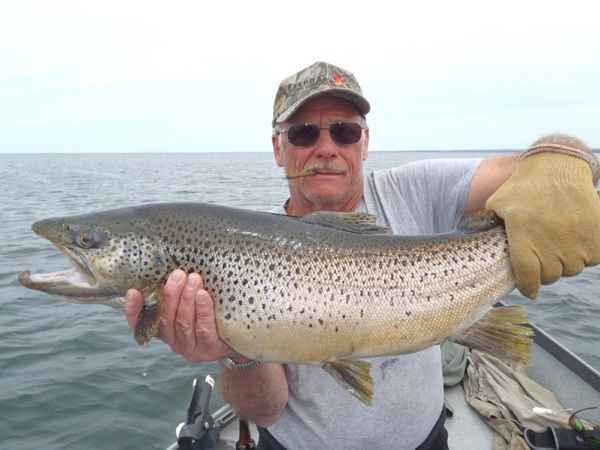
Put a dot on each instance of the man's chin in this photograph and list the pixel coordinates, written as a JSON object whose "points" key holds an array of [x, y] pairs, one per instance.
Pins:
{"points": [[327, 200]]}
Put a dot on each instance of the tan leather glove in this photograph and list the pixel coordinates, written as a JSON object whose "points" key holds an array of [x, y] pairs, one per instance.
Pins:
{"points": [[552, 212]]}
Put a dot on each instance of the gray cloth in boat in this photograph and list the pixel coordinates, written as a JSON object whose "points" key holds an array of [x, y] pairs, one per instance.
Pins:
{"points": [[454, 362], [508, 399]]}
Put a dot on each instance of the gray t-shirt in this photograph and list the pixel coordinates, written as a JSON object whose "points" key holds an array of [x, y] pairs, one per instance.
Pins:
{"points": [[425, 197]]}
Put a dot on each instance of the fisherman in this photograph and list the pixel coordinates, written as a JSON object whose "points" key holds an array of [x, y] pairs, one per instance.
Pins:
{"points": [[546, 196]]}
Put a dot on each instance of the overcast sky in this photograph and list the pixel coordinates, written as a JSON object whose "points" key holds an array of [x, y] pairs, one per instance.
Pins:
{"points": [[181, 76]]}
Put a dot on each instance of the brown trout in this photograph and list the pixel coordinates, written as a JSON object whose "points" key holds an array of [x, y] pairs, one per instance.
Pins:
{"points": [[326, 289]]}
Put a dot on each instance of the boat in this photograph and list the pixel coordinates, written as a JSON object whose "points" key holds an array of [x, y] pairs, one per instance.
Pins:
{"points": [[574, 382]]}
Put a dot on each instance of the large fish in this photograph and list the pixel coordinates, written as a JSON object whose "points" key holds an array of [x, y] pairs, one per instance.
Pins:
{"points": [[325, 289]]}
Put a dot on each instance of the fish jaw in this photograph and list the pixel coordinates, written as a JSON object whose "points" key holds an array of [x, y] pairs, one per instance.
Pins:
{"points": [[71, 286]]}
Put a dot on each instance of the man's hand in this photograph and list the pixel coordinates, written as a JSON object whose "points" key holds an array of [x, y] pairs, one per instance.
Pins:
{"points": [[552, 215], [187, 320]]}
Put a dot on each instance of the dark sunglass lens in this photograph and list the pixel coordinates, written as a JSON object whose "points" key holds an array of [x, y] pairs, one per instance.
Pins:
{"points": [[345, 133], [304, 134]]}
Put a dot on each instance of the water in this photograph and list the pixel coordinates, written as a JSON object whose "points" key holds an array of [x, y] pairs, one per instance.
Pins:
{"points": [[71, 376]]}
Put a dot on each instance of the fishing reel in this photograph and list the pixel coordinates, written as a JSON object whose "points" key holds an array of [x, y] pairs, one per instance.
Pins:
{"points": [[202, 429]]}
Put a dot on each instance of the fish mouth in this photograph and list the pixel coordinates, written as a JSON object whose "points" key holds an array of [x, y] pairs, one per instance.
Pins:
{"points": [[45, 281], [80, 283]]}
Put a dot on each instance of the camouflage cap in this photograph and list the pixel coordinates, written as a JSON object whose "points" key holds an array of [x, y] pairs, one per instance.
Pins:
{"points": [[316, 80]]}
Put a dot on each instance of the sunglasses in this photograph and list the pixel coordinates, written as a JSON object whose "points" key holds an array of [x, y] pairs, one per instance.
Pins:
{"points": [[591, 438], [307, 134]]}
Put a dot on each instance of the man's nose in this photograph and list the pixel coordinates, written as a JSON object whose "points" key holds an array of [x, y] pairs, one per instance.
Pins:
{"points": [[326, 146]]}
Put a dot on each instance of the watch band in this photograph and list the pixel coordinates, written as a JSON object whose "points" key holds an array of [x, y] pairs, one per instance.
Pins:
{"points": [[232, 365]]}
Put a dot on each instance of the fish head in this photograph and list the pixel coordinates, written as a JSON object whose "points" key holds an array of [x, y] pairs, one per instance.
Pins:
{"points": [[110, 252]]}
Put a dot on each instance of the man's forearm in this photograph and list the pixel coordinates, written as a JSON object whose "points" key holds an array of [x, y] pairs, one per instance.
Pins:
{"points": [[258, 395]]}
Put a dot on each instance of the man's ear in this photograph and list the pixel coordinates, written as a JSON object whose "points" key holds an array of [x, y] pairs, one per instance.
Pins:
{"points": [[277, 149]]}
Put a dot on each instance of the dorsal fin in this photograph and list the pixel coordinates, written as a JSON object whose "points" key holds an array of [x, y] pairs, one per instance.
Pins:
{"points": [[354, 222]]}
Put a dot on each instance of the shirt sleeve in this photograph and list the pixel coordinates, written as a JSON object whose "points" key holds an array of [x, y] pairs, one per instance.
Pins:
{"points": [[423, 197]]}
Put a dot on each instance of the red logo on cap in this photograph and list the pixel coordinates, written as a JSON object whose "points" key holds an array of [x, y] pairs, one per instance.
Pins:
{"points": [[337, 80]]}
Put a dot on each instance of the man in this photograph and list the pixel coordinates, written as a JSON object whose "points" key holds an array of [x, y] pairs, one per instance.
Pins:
{"points": [[320, 138]]}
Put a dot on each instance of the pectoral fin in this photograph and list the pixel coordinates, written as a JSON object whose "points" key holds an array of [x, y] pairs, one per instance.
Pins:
{"points": [[354, 376], [147, 322]]}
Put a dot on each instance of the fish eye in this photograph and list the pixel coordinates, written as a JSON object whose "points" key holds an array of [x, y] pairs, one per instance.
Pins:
{"points": [[85, 240]]}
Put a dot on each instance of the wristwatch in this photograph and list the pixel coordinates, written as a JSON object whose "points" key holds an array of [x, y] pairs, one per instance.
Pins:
{"points": [[232, 365]]}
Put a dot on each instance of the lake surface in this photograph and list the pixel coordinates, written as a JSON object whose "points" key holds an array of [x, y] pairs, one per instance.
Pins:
{"points": [[71, 376]]}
